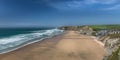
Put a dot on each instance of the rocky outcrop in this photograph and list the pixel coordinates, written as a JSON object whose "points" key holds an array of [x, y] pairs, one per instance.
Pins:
{"points": [[110, 37], [112, 48], [86, 30]]}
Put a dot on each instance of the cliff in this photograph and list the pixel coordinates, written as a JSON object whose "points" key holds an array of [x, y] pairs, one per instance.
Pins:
{"points": [[107, 34]]}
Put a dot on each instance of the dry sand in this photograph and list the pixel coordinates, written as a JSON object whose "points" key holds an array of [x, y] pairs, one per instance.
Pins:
{"points": [[69, 46]]}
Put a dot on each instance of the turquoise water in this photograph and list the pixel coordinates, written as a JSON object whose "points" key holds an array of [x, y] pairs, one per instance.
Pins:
{"points": [[13, 38]]}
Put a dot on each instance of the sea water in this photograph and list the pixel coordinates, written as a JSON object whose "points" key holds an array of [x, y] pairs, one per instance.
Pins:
{"points": [[14, 38]]}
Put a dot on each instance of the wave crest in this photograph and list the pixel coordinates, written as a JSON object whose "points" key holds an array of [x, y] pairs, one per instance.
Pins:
{"points": [[21, 39]]}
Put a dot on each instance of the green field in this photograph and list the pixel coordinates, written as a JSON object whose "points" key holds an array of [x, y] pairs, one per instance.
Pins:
{"points": [[101, 27]]}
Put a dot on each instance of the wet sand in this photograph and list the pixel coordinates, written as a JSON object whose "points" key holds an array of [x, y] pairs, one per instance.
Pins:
{"points": [[68, 46]]}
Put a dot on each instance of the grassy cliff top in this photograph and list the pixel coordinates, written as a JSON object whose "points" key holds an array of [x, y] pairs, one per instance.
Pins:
{"points": [[94, 27], [109, 27]]}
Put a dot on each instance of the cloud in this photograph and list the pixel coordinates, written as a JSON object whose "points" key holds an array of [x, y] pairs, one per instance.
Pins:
{"points": [[102, 1], [81, 4], [68, 5], [115, 7]]}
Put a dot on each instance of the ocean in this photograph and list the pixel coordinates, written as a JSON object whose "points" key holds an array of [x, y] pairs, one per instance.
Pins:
{"points": [[14, 38]]}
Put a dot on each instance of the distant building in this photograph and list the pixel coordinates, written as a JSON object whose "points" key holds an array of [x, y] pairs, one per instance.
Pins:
{"points": [[101, 33], [106, 32], [114, 32]]}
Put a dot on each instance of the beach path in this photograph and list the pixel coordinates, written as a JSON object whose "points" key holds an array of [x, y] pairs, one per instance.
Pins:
{"points": [[68, 46]]}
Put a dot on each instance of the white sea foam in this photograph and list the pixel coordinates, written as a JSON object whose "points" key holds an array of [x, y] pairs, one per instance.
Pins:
{"points": [[10, 43]]}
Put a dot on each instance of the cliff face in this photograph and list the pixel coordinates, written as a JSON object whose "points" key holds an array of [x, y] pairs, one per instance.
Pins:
{"points": [[103, 33], [111, 44], [86, 30], [112, 48]]}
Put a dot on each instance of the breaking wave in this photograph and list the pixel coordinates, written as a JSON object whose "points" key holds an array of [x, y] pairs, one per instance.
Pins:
{"points": [[14, 42]]}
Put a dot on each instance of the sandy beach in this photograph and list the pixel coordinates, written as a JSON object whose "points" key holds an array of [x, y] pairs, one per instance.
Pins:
{"points": [[67, 46]]}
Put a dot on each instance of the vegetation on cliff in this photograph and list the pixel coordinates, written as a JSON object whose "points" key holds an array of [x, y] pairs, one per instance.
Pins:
{"points": [[105, 27], [114, 36], [115, 55], [94, 27], [111, 31]]}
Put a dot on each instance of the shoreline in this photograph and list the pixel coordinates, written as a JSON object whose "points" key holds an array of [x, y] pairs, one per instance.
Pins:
{"points": [[27, 44], [99, 42], [22, 46], [59, 47]]}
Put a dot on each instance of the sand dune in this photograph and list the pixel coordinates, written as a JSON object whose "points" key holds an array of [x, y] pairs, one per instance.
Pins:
{"points": [[70, 46]]}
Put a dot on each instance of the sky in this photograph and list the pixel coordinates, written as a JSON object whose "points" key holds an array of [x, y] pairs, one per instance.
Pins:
{"points": [[16, 13]]}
